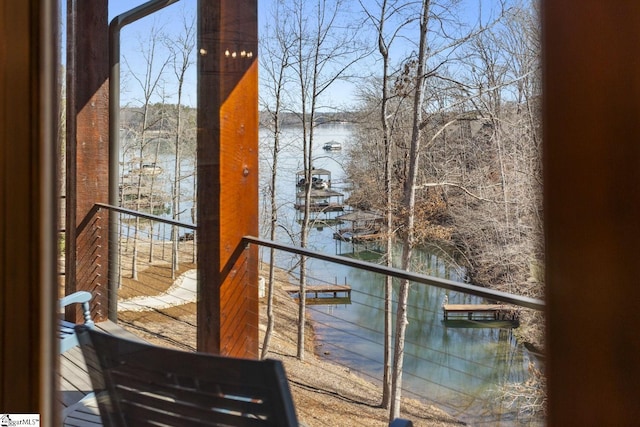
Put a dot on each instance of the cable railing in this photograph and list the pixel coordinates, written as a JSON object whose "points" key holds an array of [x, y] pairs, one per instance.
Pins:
{"points": [[467, 371], [155, 282], [518, 300]]}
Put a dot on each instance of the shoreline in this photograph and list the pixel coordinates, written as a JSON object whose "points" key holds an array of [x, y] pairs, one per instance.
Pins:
{"points": [[324, 393]]}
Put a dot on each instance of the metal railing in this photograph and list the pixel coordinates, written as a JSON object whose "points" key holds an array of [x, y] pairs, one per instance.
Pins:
{"points": [[521, 301], [474, 369], [141, 242], [447, 365], [482, 292]]}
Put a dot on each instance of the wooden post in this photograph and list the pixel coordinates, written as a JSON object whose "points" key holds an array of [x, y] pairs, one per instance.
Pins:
{"points": [[592, 210], [87, 154], [227, 199], [28, 208]]}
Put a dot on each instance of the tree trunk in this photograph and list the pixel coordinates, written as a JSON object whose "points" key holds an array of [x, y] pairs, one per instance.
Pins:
{"points": [[272, 233], [386, 138], [409, 206]]}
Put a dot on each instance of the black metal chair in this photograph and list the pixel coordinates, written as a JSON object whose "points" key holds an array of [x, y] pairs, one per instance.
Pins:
{"points": [[137, 384]]}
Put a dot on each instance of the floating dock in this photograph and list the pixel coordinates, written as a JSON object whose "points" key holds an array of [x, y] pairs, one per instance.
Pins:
{"points": [[493, 311], [322, 294], [461, 323]]}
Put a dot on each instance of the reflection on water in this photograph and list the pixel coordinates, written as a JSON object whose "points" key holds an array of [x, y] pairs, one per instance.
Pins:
{"points": [[460, 369]]}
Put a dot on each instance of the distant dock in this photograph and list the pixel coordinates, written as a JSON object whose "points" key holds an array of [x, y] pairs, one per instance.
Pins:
{"points": [[483, 311], [322, 294]]}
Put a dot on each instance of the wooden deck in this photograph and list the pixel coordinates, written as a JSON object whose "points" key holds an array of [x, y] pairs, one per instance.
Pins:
{"points": [[495, 311], [323, 294], [75, 383]]}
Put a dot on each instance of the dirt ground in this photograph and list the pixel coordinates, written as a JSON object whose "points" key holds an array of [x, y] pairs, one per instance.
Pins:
{"points": [[325, 394]]}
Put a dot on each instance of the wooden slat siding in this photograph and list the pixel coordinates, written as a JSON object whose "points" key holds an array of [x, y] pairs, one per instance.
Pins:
{"points": [[232, 319], [243, 333], [28, 239], [239, 313], [227, 177], [239, 206], [592, 210], [91, 262], [87, 153]]}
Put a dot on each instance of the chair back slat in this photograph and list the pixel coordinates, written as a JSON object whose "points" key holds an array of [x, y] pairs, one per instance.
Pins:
{"points": [[142, 384], [177, 399]]}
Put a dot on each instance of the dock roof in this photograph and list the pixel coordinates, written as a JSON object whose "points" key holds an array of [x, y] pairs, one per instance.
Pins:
{"points": [[361, 216], [316, 171]]}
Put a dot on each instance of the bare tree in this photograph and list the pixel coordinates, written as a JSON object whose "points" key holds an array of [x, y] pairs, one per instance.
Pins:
{"points": [[325, 49], [181, 50], [409, 207], [470, 166], [275, 59], [388, 9], [509, 254], [149, 82]]}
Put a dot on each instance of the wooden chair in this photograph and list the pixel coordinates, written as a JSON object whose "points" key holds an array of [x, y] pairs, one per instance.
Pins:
{"points": [[66, 332], [138, 384]]}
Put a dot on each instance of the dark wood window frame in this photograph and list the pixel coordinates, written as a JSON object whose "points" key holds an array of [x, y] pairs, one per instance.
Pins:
{"points": [[591, 199]]}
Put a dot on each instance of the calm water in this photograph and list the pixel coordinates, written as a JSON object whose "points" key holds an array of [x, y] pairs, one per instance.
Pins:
{"points": [[459, 369]]}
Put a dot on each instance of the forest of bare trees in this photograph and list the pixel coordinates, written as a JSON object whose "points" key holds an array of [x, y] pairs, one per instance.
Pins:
{"points": [[479, 179], [156, 124], [447, 143]]}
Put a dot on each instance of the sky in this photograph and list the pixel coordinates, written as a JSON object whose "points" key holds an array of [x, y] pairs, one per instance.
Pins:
{"points": [[134, 39], [169, 20]]}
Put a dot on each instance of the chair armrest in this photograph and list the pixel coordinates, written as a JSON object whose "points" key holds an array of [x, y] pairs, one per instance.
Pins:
{"points": [[75, 298], [399, 422], [80, 297]]}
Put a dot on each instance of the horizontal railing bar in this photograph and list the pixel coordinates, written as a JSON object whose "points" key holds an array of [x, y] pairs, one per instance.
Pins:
{"points": [[521, 301], [147, 216]]}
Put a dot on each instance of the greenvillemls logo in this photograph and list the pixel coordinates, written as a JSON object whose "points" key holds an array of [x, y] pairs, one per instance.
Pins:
{"points": [[10, 420]]}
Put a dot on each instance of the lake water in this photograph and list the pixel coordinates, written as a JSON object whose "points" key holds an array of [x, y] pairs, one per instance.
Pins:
{"points": [[461, 370]]}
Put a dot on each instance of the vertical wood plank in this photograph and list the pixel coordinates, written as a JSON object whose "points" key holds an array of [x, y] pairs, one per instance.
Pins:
{"points": [[227, 176]]}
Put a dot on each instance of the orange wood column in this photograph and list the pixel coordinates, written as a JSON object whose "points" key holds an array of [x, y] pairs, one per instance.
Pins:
{"points": [[87, 147], [592, 210], [227, 200]]}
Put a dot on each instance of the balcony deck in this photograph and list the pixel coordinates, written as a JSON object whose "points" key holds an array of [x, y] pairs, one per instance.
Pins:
{"points": [[75, 383], [316, 381]]}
